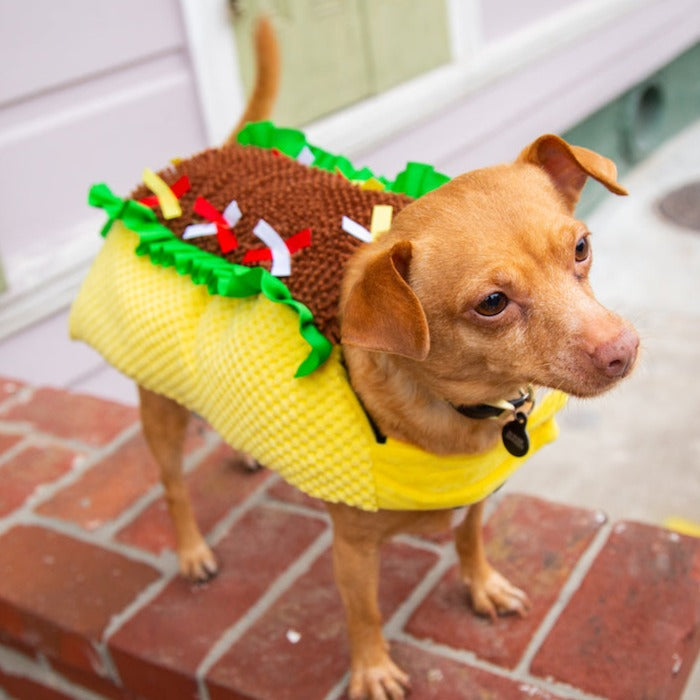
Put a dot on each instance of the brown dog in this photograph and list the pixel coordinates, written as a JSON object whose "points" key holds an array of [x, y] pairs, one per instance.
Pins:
{"points": [[480, 288]]}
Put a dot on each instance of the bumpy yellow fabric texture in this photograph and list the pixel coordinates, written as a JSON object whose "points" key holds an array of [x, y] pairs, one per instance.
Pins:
{"points": [[233, 361]]}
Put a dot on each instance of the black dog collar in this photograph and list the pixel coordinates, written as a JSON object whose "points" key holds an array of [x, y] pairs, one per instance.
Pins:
{"points": [[494, 410], [514, 433]]}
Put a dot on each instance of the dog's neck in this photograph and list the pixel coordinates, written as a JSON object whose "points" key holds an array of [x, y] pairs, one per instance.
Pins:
{"points": [[402, 409], [495, 409]]}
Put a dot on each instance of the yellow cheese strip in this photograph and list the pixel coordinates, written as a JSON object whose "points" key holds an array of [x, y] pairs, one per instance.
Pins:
{"points": [[166, 197], [381, 219]]}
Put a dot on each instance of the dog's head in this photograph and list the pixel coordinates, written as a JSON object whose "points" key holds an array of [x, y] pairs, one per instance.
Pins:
{"points": [[481, 286]]}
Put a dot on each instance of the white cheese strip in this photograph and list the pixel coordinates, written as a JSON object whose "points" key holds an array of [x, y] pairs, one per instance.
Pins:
{"points": [[281, 259], [306, 156], [357, 230], [232, 213], [197, 230]]}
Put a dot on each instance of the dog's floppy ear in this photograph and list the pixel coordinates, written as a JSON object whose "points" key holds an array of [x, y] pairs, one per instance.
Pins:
{"points": [[569, 166], [382, 311]]}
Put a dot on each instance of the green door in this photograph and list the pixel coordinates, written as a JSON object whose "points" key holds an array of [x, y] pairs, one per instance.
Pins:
{"points": [[337, 52], [324, 64], [405, 38]]}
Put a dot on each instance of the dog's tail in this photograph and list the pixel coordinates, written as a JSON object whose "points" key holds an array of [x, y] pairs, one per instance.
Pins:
{"points": [[267, 76]]}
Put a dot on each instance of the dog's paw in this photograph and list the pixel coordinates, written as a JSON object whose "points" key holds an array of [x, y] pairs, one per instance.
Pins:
{"points": [[198, 563], [492, 594], [381, 681]]}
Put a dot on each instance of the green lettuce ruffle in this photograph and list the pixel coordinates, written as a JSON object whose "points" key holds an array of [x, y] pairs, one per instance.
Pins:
{"points": [[415, 180], [219, 275]]}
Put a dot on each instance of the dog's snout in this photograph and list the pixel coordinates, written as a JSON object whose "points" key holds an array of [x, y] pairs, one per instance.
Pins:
{"points": [[616, 357]]}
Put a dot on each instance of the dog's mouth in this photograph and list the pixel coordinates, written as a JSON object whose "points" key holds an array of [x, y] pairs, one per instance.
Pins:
{"points": [[589, 390], [586, 373], [588, 385]]}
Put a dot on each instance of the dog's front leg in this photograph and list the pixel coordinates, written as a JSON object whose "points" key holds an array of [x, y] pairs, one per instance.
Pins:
{"points": [[491, 593], [356, 563], [164, 423]]}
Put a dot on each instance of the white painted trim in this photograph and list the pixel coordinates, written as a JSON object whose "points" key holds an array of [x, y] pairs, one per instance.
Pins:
{"points": [[213, 53], [359, 127], [466, 28], [42, 282]]}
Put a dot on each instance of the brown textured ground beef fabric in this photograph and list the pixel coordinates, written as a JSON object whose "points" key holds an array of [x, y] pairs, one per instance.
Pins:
{"points": [[290, 197]]}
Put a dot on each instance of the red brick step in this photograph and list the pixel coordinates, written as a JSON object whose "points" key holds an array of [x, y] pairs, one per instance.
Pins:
{"points": [[536, 545], [88, 602], [632, 630], [58, 594]]}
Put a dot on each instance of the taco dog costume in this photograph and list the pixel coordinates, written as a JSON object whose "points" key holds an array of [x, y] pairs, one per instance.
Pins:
{"points": [[218, 286]]}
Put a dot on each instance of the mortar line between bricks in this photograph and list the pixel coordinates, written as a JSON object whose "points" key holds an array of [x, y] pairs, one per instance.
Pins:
{"points": [[31, 431], [166, 561], [82, 464], [24, 442], [235, 513], [579, 573], [398, 620], [14, 664], [110, 528], [153, 493], [104, 535], [34, 436], [118, 620], [279, 586], [92, 455], [142, 599], [211, 441], [295, 509], [339, 689], [469, 658], [76, 532], [191, 461], [20, 397], [107, 662], [418, 543]]}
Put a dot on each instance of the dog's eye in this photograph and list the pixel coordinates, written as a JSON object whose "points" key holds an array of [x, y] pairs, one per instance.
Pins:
{"points": [[583, 249], [493, 304]]}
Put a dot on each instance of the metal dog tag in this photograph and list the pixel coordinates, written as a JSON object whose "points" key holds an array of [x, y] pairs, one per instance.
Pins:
{"points": [[515, 437]]}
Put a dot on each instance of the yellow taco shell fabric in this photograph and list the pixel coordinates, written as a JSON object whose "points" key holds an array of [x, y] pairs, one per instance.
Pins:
{"points": [[233, 362]]}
